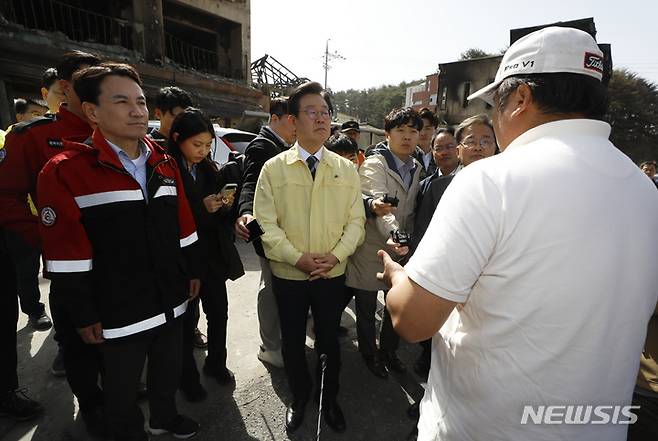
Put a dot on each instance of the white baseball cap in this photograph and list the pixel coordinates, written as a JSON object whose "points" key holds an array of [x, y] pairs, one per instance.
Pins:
{"points": [[549, 50]]}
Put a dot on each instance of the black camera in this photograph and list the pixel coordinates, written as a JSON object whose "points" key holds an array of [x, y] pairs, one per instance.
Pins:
{"points": [[394, 201], [404, 239]]}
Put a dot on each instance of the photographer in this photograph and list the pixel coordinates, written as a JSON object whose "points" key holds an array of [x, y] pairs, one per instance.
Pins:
{"points": [[389, 171]]}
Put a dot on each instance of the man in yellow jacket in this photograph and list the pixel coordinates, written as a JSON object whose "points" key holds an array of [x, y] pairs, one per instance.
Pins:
{"points": [[309, 204]]}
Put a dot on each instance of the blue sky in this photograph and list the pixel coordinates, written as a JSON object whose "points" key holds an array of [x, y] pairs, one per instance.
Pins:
{"points": [[389, 41]]}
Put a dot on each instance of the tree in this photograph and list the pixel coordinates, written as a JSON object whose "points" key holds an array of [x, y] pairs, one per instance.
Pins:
{"points": [[473, 53], [372, 104], [633, 115]]}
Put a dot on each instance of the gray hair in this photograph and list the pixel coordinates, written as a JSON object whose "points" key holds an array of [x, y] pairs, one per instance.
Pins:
{"points": [[468, 122]]}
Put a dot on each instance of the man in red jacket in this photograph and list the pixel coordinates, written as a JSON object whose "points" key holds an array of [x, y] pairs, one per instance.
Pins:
{"points": [[28, 147], [118, 236]]}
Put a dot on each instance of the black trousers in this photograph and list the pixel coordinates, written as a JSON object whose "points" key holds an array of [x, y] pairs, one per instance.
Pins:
{"points": [[123, 361], [81, 360], [26, 263], [366, 306], [8, 319], [349, 293], [326, 298], [214, 298], [646, 426]]}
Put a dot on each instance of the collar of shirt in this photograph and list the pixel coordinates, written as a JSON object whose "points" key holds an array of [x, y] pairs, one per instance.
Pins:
{"points": [[193, 170], [273, 132], [404, 168], [452, 173], [427, 157], [135, 167], [140, 161], [402, 165], [304, 154], [564, 128]]}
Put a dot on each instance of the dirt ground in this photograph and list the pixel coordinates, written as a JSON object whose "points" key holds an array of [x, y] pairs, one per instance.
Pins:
{"points": [[254, 408]]}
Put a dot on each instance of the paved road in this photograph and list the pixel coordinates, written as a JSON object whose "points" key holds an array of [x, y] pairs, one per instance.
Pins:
{"points": [[251, 410]]}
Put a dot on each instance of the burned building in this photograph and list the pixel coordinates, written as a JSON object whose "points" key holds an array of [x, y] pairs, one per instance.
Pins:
{"points": [[423, 94], [457, 81], [202, 46]]}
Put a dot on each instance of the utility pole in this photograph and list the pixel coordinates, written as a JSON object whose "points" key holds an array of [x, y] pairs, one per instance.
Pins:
{"points": [[327, 58]]}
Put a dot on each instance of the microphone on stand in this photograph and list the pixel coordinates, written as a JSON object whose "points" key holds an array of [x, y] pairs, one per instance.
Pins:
{"points": [[323, 364]]}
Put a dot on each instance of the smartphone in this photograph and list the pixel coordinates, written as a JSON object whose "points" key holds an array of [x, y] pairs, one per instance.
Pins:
{"points": [[255, 230], [227, 190]]}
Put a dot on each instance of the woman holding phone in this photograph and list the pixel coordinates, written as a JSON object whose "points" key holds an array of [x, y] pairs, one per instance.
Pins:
{"points": [[211, 198]]}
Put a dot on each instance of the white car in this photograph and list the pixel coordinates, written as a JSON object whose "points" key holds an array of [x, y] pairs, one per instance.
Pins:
{"points": [[226, 141]]}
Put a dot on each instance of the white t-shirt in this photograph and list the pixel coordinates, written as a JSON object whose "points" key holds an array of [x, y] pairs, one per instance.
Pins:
{"points": [[553, 245]]}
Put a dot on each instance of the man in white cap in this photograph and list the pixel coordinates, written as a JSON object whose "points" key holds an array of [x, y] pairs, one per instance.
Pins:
{"points": [[538, 267]]}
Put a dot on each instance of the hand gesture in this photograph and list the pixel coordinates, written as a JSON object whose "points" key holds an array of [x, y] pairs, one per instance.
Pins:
{"points": [[307, 263], [227, 200], [396, 248], [240, 226], [212, 203], [92, 334], [391, 268], [381, 208], [326, 263]]}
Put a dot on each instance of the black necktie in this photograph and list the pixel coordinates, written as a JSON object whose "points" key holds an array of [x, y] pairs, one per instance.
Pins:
{"points": [[312, 161]]}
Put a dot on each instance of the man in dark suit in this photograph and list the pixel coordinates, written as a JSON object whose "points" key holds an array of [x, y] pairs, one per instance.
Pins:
{"points": [[274, 138], [423, 153], [475, 140]]}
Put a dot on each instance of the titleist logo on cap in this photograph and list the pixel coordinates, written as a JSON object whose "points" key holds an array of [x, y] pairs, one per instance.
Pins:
{"points": [[593, 62]]}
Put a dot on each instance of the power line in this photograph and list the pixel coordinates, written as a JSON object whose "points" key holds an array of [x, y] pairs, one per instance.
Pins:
{"points": [[329, 57]]}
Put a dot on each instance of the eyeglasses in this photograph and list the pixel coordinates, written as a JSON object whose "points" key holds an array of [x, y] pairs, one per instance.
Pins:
{"points": [[484, 143], [444, 148], [313, 114]]}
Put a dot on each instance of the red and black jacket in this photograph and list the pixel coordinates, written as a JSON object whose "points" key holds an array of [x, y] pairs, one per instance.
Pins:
{"points": [[28, 147], [120, 259]]}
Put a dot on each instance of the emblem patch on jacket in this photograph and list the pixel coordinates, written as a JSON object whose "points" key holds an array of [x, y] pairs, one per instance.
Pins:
{"points": [[48, 216], [3, 154], [55, 143]]}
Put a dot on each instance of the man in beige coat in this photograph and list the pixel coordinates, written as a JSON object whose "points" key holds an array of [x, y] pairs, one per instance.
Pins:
{"points": [[394, 172]]}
